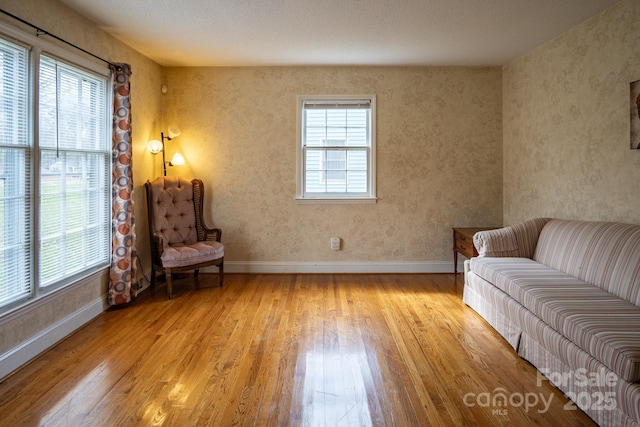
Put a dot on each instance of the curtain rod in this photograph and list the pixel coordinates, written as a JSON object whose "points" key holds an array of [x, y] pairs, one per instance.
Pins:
{"points": [[40, 32]]}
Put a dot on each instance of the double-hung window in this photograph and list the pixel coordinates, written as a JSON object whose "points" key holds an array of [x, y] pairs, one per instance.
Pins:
{"points": [[55, 168], [336, 149]]}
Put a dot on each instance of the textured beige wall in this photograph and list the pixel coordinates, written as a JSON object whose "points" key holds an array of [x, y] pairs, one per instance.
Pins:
{"points": [[566, 123], [146, 107], [439, 159]]}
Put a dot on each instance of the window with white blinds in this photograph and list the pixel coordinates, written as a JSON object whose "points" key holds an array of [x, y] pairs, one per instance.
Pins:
{"points": [[336, 148], [74, 169], [54, 172], [15, 172]]}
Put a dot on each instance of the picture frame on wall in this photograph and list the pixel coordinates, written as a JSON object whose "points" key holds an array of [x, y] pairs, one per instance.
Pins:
{"points": [[634, 108]]}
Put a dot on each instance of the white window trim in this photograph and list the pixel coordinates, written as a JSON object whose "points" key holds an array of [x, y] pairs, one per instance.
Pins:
{"points": [[300, 198], [37, 47]]}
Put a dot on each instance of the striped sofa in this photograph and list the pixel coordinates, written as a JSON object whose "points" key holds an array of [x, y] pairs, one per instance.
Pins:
{"points": [[566, 296]]}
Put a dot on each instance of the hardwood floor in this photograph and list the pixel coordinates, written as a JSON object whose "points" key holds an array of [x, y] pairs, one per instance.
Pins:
{"points": [[279, 350]]}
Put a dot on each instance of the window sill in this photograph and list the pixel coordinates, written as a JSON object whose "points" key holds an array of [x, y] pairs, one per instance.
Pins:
{"points": [[337, 201]]}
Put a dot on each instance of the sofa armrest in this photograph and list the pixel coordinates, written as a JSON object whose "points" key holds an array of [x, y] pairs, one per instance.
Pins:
{"points": [[518, 240], [500, 242]]}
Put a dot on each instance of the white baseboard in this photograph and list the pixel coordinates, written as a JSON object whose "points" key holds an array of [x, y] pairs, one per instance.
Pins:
{"points": [[20, 355], [335, 267]]}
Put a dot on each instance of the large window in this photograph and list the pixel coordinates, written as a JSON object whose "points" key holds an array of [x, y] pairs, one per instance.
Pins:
{"points": [[336, 149], [15, 173], [54, 169]]}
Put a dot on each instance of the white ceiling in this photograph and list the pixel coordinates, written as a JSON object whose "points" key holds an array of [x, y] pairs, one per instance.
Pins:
{"points": [[336, 32]]}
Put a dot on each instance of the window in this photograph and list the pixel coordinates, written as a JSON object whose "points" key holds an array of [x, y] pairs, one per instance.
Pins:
{"points": [[336, 149], [54, 169], [15, 172]]}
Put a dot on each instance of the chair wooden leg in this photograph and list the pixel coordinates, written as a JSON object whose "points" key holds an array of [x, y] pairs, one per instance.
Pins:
{"points": [[167, 272], [220, 273], [152, 281], [196, 279]]}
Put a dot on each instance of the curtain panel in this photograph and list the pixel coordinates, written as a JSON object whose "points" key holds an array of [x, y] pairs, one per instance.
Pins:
{"points": [[123, 244]]}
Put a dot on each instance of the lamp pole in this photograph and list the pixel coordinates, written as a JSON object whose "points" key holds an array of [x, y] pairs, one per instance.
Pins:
{"points": [[164, 163]]}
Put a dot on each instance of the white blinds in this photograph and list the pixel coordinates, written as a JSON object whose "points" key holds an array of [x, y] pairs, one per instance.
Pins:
{"points": [[336, 142], [55, 157], [74, 169], [72, 106], [15, 172]]}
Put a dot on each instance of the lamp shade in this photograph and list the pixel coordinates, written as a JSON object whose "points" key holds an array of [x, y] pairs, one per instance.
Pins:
{"points": [[154, 146], [177, 160], [174, 132]]}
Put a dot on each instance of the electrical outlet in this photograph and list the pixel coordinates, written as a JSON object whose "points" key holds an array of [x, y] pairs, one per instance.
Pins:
{"points": [[335, 243]]}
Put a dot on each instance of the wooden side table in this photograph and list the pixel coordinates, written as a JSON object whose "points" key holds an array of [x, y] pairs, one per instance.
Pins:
{"points": [[463, 243]]}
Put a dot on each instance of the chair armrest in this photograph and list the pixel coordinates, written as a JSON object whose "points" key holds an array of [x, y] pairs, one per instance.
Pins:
{"points": [[214, 234]]}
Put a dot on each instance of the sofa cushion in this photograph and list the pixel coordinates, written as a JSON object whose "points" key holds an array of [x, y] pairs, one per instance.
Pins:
{"points": [[600, 323], [605, 254]]}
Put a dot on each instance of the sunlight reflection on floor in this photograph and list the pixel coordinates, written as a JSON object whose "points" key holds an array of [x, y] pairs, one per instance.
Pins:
{"points": [[74, 404], [334, 391]]}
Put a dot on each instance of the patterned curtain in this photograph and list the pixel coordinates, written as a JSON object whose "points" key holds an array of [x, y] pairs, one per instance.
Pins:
{"points": [[123, 244]]}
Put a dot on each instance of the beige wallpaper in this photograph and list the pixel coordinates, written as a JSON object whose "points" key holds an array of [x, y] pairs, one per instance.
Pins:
{"points": [[146, 108], [439, 159], [566, 123]]}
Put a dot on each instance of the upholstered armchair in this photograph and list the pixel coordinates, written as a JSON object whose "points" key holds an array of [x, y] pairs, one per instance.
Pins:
{"points": [[179, 239]]}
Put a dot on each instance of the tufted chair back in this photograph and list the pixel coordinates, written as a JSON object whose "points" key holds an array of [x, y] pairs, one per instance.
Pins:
{"points": [[173, 214]]}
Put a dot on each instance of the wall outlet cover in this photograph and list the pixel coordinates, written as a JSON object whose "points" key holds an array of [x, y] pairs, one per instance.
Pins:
{"points": [[335, 243]]}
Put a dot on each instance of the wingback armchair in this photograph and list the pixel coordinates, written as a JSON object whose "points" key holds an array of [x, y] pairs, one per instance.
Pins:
{"points": [[179, 239]]}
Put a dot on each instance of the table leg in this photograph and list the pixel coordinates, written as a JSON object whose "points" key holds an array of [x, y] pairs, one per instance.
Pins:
{"points": [[455, 262]]}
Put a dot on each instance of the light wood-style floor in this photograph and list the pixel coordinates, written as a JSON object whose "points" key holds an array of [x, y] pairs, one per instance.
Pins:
{"points": [[280, 350]]}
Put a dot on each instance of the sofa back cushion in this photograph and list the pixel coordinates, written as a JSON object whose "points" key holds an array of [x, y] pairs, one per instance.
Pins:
{"points": [[605, 254]]}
